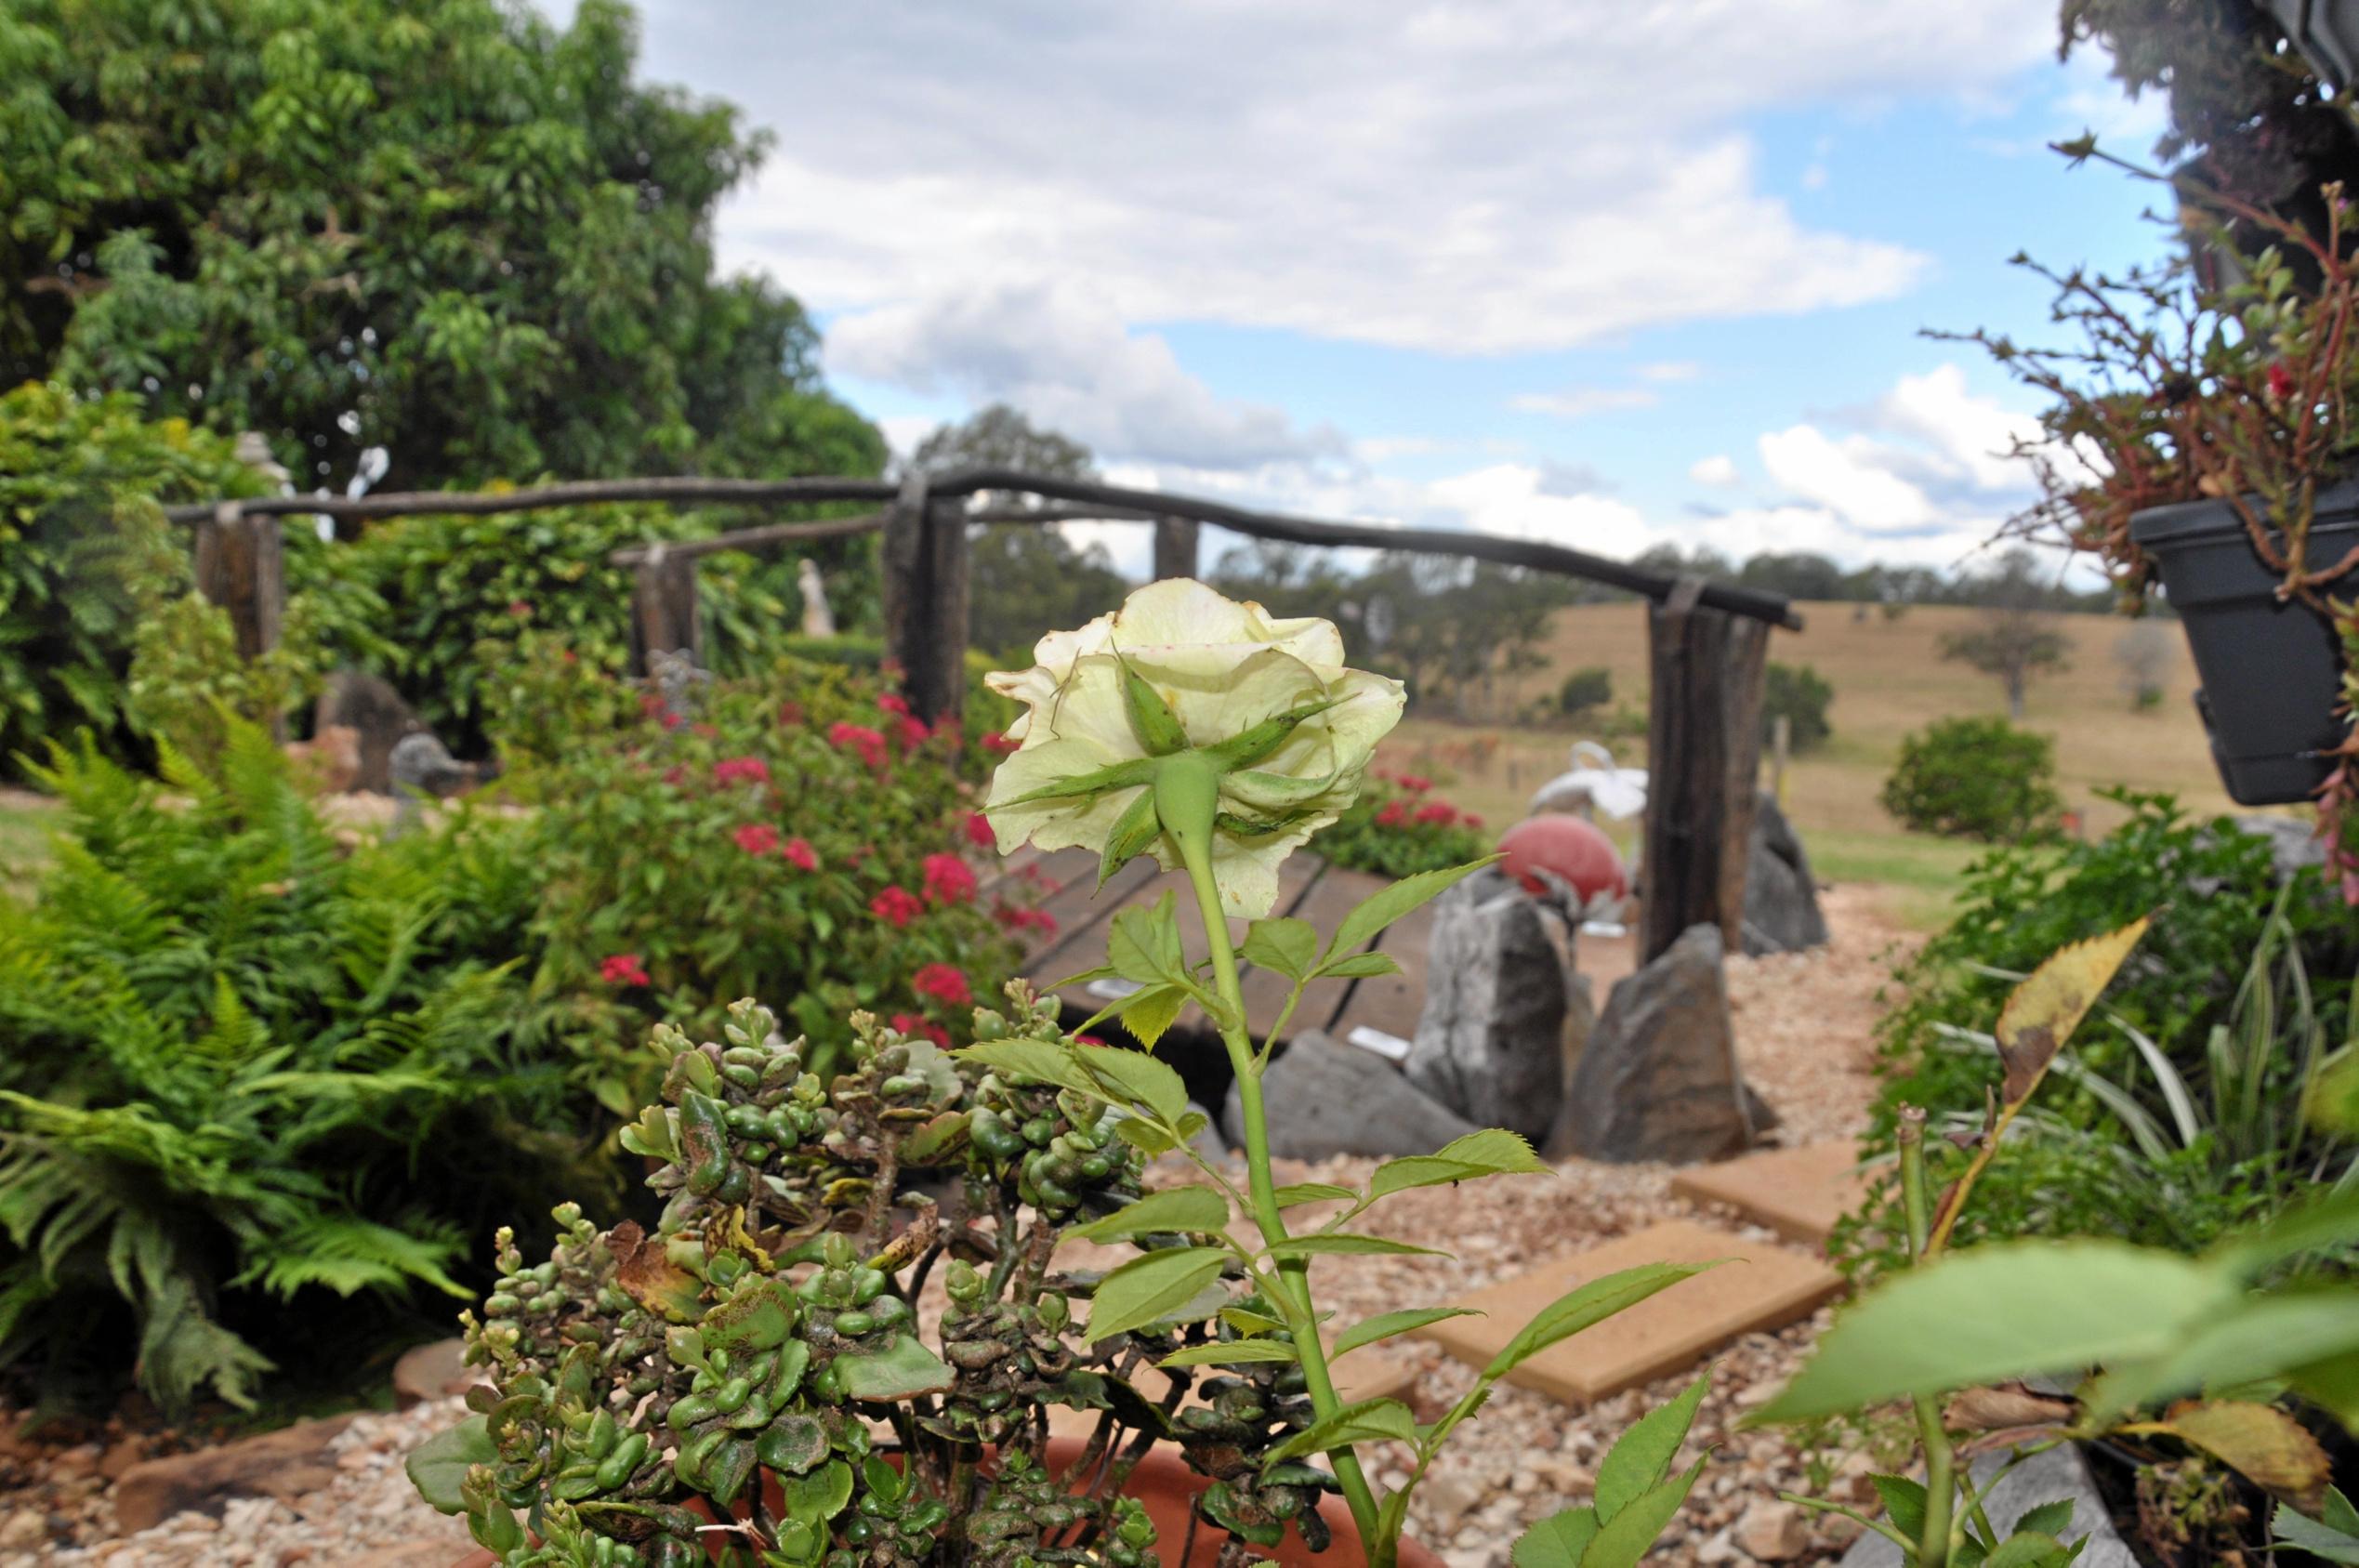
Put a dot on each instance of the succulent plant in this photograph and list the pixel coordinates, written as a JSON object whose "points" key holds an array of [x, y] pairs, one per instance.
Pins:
{"points": [[641, 1384]]}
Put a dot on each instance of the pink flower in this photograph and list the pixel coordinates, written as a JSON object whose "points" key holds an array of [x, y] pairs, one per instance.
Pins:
{"points": [[949, 880], [674, 776], [622, 968], [732, 769], [791, 715], [1471, 819], [757, 838], [703, 731], [943, 984], [2281, 382], [1392, 813], [897, 905], [914, 733], [1014, 918], [844, 735], [979, 831], [801, 854], [893, 702], [1415, 783], [1437, 812], [999, 744], [915, 1026]]}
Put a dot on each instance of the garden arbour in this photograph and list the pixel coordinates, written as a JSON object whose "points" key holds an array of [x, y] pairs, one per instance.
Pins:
{"points": [[1709, 641]]}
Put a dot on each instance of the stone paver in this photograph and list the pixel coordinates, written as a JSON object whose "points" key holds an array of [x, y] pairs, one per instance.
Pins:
{"points": [[1763, 1286], [1798, 1193]]}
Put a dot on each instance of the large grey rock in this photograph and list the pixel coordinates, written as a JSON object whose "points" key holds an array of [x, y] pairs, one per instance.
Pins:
{"points": [[1781, 897], [1327, 1098], [376, 715], [1658, 1079], [2045, 1478], [1490, 1043], [2294, 844]]}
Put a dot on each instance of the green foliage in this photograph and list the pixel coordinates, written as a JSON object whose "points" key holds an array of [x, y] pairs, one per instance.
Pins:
{"points": [[1584, 690], [1637, 1494], [450, 230], [1398, 827], [2078, 1167], [1975, 778], [242, 1072], [675, 839], [84, 549], [1801, 696]]}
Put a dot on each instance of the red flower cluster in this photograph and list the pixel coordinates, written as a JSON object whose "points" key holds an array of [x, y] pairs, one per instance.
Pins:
{"points": [[757, 838], [1012, 917], [979, 832], [2281, 382], [799, 853], [914, 733], [1392, 813], [943, 984], [1415, 783], [1000, 745], [916, 1027], [844, 735], [894, 703], [896, 905], [1437, 812], [622, 968], [730, 770], [949, 880]]}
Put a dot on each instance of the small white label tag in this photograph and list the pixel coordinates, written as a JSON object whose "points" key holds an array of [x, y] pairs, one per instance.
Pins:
{"points": [[1113, 988], [1389, 1047]]}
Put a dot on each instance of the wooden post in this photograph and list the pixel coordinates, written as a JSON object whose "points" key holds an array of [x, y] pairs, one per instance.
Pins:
{"points": [[924, 560], [1176, 547], [664, 617], [239, 568], [1704, 758]]}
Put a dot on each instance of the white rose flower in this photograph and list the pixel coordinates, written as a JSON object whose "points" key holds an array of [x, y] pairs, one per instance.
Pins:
{"points": [[1286, 727]]}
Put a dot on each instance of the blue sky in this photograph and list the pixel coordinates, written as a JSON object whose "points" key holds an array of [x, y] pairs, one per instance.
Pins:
{"points": [[1603, 274]]}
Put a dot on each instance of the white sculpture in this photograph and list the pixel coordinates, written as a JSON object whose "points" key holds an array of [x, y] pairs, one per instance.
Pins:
{"points": [[818, 620], [1593, 785]]}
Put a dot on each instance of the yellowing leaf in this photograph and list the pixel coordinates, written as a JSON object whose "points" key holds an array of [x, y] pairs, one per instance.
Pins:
{"points": [[2260, 1442], [2046, 1009]]}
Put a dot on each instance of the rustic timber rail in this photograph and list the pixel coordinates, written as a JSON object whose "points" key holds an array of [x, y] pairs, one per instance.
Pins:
{"points": [[1709, 641]]}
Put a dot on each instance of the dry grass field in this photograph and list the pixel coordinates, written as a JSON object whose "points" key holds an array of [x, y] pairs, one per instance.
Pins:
{"points": [[1889, 678]]}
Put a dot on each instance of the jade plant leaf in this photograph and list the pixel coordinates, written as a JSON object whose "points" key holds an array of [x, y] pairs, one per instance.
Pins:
{"points": [[437, 1467], [1145, 1289], [904, 1369]]}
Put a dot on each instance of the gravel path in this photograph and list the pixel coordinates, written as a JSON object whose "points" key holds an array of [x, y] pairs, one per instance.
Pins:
{"points": [[1803, 1023]]}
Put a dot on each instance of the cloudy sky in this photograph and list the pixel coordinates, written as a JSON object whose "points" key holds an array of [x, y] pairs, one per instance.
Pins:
{"points": [[1600, 271]]}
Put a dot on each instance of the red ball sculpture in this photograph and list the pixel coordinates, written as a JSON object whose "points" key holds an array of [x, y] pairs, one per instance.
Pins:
{"points": [[1566, 847]]}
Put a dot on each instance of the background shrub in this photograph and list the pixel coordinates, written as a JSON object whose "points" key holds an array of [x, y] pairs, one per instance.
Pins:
{"points": [[1585, 691], [83, 546], [1975, 778], [1399, 827], [1802, 696], [244, 1072]]}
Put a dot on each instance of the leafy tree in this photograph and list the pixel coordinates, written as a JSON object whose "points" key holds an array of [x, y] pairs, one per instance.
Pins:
{"points": [[1802, 696], [2012, 641], [1797, 575], [446, 228], [1585, 691], [1975, 777], [1026, 579]]}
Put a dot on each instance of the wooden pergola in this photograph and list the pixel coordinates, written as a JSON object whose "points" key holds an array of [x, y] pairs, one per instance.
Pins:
{"points": [[1707, 641]]}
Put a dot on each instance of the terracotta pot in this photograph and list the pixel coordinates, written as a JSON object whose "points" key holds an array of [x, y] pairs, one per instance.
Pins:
{"points": [[1164, 1483]]}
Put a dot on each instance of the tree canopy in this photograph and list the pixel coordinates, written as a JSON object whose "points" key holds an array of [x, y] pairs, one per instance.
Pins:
{"points": [[442, 226]]}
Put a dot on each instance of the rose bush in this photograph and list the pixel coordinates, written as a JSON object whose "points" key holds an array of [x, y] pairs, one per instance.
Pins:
{"points": [[1399, 827], [798, 834]]}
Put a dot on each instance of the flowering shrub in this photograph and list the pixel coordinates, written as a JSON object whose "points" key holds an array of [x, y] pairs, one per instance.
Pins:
{"points": [[1399, 827], [799, 834]]}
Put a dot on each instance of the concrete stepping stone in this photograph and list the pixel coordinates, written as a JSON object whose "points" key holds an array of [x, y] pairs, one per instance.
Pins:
{"points": [[1763, 1286], [1798, 1193]]}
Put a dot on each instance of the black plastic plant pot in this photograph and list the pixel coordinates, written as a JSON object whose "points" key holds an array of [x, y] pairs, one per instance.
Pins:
{"points": [[2271, 670], [2326, 32]]}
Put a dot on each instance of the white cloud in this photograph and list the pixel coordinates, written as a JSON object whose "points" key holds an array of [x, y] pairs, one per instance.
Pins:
{"points": [[1719, 470], [1847, 477], [1671, 370], [1520, 176], [903, 431], [1576, 403], [1066, 359]]}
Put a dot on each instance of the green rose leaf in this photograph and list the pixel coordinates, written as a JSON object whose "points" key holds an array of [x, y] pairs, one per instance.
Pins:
{"points": [[1642, 1457], [1299, 1192], [1493, 1151], [1145, 1290], [1289, 947], [1149, 1013], [1587, 1306], [1106, 1072], [1384, 1325], [1351, 1246], [1175, 1208], [1370, 1421], [1232, 1352], [1380, 909], [2333, 1535], [1557, 1541], [1360, 966]]}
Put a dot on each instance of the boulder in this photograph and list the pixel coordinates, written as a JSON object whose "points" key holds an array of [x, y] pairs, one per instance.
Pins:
{"points": [[435, 1371], [1490, 1043], [284, 1464], [1781, 897], [2294, 844], [1658, 1079], [376, 715], [1327, 1098], [2050, 1477]]}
